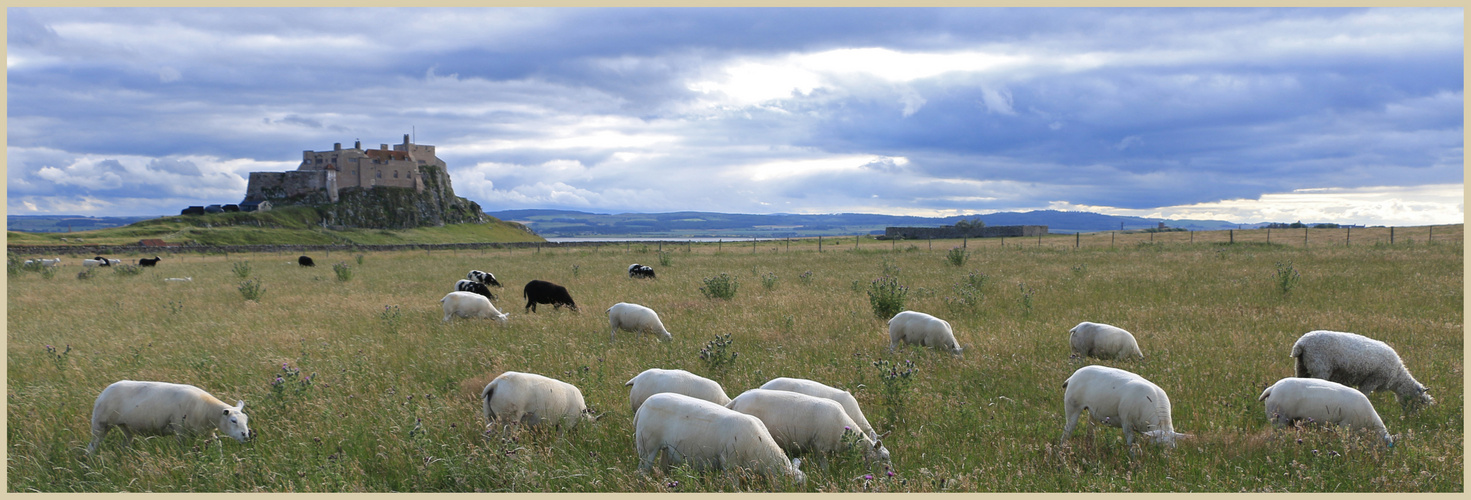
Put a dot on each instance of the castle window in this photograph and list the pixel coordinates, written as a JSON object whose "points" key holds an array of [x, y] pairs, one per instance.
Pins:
{"points": [[395, 174], [380, 174]]}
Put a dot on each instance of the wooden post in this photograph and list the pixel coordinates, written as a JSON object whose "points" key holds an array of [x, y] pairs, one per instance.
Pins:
{"points": [[1111, 236], [1232, 233], [1039, 240], [1077, 240], [661, 247], [719, 244], [753, 245], [1347, 231], [931, 241], [1391, 235], [1269, 236], [855, 243], [819, 244], [1431, 238], [1192, 236], [1304, 237], [963, 241]]}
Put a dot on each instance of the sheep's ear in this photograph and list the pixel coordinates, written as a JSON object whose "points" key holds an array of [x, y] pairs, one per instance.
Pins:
{"points": [[796, 463], [240, 404]]}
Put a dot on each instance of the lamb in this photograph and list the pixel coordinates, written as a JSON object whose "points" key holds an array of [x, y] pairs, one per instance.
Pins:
{"points": [[1293, 399], [811, 388], [1103, 341], [48, 262], [474, 287], [706, 435], [1120, 399], [469, 305], [483, 278], [637, 270], [546, 292], [920, 328], [635, 318], [654, 380], [149, 262], [153, 408], [801, 423], [305, 261], [516, 397], [1360, 362]]}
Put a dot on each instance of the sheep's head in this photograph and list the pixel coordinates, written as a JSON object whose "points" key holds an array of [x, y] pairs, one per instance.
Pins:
{"points": [[1165, 436], [1420, 398], [235, 423]]}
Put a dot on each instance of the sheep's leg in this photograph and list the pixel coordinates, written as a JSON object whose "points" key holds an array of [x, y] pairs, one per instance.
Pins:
{"points": [[1128, 437], [1072, 423]]}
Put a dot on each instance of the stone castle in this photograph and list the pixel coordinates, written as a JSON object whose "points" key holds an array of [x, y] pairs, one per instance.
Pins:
{"points": [[330, 172]]}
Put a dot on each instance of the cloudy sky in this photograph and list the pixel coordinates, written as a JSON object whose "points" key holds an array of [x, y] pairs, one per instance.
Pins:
{"points": [[1246, 115]]}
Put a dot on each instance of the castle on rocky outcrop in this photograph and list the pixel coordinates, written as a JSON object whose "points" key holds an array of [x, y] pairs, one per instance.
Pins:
{"points": [[407, 186], [329, 172]]}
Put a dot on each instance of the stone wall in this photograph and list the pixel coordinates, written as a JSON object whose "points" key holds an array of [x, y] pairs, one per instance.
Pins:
{"points": [[944, 232], [292, 184]]}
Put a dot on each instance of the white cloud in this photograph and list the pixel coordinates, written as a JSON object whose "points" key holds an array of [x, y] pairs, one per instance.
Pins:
{"points": [[1381, 205], [997, 100]]}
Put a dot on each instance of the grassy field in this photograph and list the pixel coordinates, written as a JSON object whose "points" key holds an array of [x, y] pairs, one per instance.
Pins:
{"points": [[376, 394]]}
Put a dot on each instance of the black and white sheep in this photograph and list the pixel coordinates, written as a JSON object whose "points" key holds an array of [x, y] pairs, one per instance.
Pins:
{"points": [[149, 262], [1359, 362], [305, 261], [474, 287], [637, 270], [546, 292], [483, 278]]}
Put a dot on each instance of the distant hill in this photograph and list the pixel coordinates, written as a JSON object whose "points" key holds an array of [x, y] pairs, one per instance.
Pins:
{"points": [[292, 225], [65, 223], [568, 223]]}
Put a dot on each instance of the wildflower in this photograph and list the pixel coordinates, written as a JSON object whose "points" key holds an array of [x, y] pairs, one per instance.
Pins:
{"points": [[868, 477], [1299, 440], [890, 473]]}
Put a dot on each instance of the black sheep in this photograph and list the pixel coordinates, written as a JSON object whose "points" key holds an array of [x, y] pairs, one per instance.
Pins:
{"points": [[473, 287], [149, 262], [305, 261], [544, 292]]}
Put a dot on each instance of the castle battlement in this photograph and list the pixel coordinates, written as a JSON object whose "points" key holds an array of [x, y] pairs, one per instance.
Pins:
{"points": [[329, 172]]}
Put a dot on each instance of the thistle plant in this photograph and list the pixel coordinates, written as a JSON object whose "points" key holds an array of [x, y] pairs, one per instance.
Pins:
{"points": [[390, 317], [344, 271], [768, 280], [251, 289], [242, 269], [896, 379], [886, 296], [664, 258], [717, 353], [127, 269], [720, 287], [806, 278], [957, 256], [1287, 277]]}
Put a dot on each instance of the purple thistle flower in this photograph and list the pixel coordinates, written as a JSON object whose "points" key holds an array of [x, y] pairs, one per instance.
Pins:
{"points": [[868, 477]]}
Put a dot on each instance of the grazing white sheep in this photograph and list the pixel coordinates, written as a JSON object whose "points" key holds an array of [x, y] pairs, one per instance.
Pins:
{"points": [[154, 408], [50, 262], [817, 389], [470, 305], [1358, 361], [1102, 341], [635, 318], [190, 278], [920, 328], [1293, 399], [516, 397], [656, 380], [706, 435], [802, 423], [1121, 399]]}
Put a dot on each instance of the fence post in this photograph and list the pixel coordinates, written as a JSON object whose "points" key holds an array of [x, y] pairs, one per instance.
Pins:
{"points": [[719, 244], [1304, 237], [855, 243], [753, 245], [1347, 233], [1391, 235], [1192, 236], [819, 244], [964, 240], [1269, 236], [1077, 240], [1111, 236], [1431, 238], [1232, 233]]}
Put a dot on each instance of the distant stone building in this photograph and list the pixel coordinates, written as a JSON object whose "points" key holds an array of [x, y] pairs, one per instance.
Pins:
{"points": [[327, 173], [942, 232]]}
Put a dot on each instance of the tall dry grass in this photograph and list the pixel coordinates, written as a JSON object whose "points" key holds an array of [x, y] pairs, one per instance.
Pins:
{"points": [[392, 400]]}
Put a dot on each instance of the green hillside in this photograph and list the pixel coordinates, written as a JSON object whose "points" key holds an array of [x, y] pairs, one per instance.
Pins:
{"points": [[282, 226]]}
